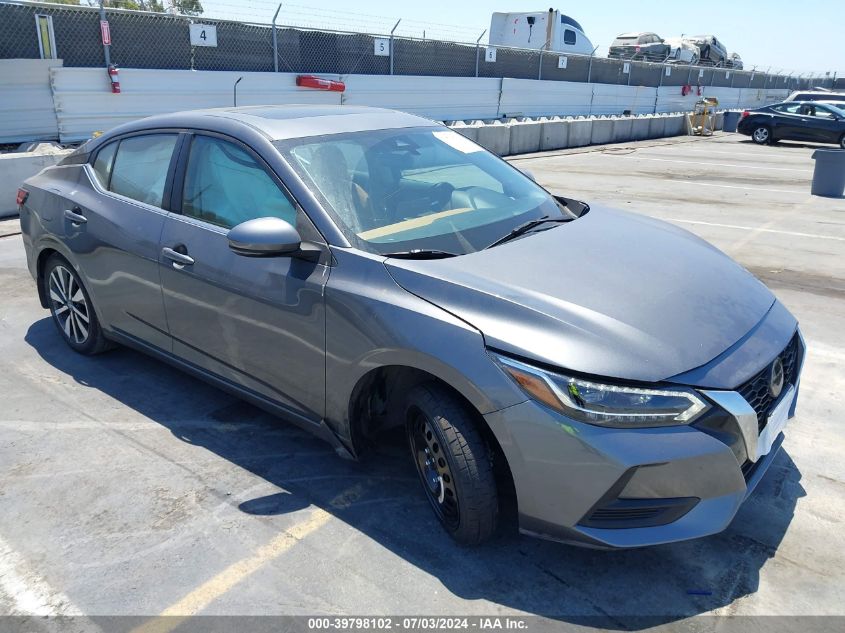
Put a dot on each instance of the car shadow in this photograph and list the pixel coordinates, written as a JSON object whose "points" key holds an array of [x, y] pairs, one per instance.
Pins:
{"points": [[617, 590]]}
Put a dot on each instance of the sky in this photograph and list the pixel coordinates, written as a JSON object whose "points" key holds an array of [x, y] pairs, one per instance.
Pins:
{"points": [[784, 35]]}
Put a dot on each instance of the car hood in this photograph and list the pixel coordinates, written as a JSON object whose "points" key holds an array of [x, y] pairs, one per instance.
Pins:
{"points": [[611, 294]]}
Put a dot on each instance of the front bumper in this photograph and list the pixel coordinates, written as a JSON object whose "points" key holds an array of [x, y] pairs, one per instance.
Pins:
{"points": [[621, 488]]}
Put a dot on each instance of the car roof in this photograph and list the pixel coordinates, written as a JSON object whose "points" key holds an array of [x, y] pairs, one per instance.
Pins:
{"points": [[634, 34], [279, 122]]}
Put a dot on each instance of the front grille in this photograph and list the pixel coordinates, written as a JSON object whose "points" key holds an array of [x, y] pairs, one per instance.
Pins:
{"points": [[756, 390]]}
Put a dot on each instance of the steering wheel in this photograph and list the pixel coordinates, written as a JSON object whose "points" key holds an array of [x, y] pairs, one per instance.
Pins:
{"points": [[439, 194]]}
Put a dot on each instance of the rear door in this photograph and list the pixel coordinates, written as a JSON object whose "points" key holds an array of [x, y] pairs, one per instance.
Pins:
{"points": [[113, 226], [788, 121], [257, 322]]}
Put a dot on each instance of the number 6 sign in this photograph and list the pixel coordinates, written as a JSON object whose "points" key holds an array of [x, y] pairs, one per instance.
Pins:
{"points": [[203, 35]]}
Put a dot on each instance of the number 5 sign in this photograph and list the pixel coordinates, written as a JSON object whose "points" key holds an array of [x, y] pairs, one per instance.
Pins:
{"points": [[203, 35]]}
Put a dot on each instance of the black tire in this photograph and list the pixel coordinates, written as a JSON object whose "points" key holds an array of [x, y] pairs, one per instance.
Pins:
{"points": [[842, 141], [71, 307], [762, 135], [454, 463]]}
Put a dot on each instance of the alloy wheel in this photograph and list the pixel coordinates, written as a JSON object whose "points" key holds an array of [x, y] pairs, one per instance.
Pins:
{"points": [[761, 134], [433, 468], [68, 304]]}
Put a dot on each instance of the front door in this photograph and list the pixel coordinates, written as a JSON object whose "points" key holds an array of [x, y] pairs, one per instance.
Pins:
{"points": [[257, 321]]}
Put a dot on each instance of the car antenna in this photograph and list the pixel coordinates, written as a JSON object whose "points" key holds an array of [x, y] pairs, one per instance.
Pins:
{"points": [[235, 91]]}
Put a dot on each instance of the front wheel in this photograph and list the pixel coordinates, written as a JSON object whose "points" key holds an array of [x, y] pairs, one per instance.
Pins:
{"points": [[454, 463], [842, 141], [71, 308], [761, 135]]}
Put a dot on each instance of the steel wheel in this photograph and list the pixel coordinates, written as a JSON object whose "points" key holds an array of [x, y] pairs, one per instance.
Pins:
{"points": [[761, 135], [433, 468], [68, 305]]}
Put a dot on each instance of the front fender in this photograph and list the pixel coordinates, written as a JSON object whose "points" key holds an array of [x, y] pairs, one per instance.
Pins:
{"points": [[372, 322]]}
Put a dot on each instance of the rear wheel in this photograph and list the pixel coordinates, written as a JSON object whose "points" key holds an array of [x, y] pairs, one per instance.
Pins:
{"points": [[453, 462], [71, 308], [842, 141], [761, 135]]}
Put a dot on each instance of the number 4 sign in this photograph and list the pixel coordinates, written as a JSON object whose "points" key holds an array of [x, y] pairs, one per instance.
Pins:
{"points": [[203, 35]]}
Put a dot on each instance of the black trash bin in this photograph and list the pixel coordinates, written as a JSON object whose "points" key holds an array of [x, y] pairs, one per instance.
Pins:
{"points": [[829, 174], [731, 121]]}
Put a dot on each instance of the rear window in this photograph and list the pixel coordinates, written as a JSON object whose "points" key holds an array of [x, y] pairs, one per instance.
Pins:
{"points": [[141, 165], [624, 41], [569, 36]]}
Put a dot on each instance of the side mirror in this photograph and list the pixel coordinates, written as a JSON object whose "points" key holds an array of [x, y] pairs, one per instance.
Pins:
{"points": [[264, 237]]}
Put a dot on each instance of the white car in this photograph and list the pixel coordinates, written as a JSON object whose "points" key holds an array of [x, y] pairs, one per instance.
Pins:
{"points": [[734, 61], [682, 51]]}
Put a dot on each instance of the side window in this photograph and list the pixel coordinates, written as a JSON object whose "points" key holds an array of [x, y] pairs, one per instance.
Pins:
{"points": [[140, 167], [823, 113], [569, 37], [225, 185], [791, 108], [103, 164]]}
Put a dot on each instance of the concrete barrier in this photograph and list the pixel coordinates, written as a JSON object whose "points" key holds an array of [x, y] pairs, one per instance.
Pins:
{"points": [[676, 125], [554, 133], [580, 131], [719, 123], [639, 128], [469, 130], [495, 137], [622, 129], [15, 168], [657, 127], [525, 137], [601, 132]]}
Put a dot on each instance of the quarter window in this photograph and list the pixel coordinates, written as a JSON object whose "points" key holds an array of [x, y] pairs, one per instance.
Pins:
{"points": [[141, 166], [103, 164], [569, 37], [225, 185]]}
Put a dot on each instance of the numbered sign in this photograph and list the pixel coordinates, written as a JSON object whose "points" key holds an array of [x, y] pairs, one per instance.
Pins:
{"points": [[381, 47], [490, 54], [728, 75], [203, 35], [626, 68], [700, 73], [668, 71], [561, 61]]}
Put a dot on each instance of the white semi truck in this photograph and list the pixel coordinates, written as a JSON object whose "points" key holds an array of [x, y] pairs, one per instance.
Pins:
{"points": [[541, 30]]}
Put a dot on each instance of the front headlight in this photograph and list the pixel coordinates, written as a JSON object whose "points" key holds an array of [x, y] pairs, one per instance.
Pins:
{"points": [[602, 404]]}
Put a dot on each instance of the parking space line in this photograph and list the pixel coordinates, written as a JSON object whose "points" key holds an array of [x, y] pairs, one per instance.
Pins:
{"points": [[698, 183], [696, 162], [210, 590], [31, 595], [759, 229]]}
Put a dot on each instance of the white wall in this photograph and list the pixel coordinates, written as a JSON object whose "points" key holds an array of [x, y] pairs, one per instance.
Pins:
{"points": [[84, 102], [26, 103]]}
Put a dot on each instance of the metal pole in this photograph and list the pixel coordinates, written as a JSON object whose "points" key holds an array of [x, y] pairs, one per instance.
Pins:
{"points": [[275, 41], [106, 52], [391, 43], [478, 50], [663, 68], [235, 91], [590, 67]]}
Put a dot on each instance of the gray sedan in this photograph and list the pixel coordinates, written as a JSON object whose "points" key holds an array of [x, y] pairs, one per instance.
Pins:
{"points": [[355, 270]]}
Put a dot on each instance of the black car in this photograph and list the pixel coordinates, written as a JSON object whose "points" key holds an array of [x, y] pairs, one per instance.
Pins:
{"points": [[795, 121]]}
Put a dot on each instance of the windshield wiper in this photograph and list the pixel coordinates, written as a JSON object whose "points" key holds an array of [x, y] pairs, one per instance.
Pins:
{"points": [[522, 229], [420, 253]]}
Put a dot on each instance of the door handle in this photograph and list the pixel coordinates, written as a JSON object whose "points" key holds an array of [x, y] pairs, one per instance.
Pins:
{"points": [[178, 259], [75, 216]]}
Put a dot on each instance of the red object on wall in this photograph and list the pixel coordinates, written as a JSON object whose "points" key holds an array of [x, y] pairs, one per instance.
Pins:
{"points": [[318, 83], [685, 90], [114, 78], [699, 91], [105, 32]]}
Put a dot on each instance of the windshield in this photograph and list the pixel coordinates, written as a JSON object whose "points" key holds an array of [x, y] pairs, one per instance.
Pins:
{"points": [[424, 188]]}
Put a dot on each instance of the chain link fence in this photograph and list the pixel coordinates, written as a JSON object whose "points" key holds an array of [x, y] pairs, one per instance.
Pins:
{"points": [[142, 39]]}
